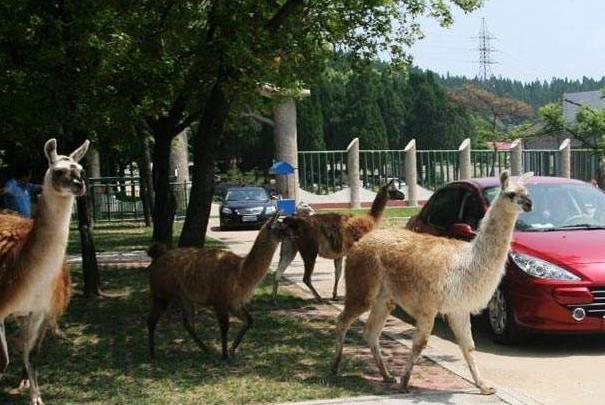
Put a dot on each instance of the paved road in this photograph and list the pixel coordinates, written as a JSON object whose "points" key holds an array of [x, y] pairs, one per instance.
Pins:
{"points": [[546, 369]]}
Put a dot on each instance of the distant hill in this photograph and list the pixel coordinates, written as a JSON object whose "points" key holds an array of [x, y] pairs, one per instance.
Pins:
{"points": [[536, 93]]}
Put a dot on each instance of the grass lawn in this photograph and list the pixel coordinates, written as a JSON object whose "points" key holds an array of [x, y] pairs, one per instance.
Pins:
{"points": [[283, 357], [122, 236], [388, 212]]}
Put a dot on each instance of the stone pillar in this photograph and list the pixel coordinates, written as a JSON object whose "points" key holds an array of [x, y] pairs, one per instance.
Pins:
{"points": [[464, 153], [93, 162], [286, 147], [516, 158], [411, 174], [179, 167], [353, 173], [565, 158]]}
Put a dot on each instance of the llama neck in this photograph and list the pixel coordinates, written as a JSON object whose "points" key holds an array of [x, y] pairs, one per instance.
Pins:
{"points": [[379, 204], [256, 264], [495, 234], [51, 223]]}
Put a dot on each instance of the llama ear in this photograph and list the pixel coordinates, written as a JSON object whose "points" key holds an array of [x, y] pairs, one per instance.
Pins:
{"points": [[79, 153], [50, 150], [504, 180]]}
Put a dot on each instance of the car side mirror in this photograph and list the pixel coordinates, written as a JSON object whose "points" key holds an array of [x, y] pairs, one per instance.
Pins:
{"points": [[462, 229]]}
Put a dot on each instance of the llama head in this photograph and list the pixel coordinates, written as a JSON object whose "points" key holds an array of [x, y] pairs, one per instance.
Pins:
{"points": [[64, 173], [514, 193], [276, 229], [393, 192]]}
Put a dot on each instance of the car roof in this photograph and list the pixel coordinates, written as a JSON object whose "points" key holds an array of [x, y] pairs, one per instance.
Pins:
{"points": [[242, 188], [486, 182]]}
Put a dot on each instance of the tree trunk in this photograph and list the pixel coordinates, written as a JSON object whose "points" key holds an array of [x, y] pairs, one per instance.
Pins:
{"points": [[163, 213], [147, 194], [90, 269], [205, 147]]}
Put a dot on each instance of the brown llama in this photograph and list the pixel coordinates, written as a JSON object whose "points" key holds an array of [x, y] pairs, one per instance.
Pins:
{"points": [[33, 278], [214, 278], [328, 235], [428, 275]]}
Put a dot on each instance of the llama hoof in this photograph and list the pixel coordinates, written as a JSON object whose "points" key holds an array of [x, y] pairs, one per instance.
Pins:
{"points": [[404, 389], [486, 390], [37, 401], [23, 386]]}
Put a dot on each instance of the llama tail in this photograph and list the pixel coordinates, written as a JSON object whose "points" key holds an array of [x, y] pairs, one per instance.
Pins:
{"points": [[156, 250]]}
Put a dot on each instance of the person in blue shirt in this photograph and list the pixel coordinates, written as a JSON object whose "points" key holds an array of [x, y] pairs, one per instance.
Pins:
{"points": [[18, 191]]}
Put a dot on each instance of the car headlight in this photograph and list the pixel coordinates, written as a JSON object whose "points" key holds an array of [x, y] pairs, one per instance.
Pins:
{"points": [[541, 269], [269, 210], [226, 210]]}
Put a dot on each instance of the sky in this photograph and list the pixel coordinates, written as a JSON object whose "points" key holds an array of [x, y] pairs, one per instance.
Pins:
{"points": [[535, 39]]}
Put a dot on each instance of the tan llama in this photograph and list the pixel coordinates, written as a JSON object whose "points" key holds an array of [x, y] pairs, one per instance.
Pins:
{"points": [[214, 278], [32, 272], [328, 235], [428, 275]]}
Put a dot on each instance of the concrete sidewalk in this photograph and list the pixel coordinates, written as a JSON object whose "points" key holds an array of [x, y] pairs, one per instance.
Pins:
{"points": [[426, 397]]}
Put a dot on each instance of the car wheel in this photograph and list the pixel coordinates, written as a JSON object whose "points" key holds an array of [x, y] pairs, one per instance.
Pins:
{"points": [[500, 320], [224, 227]]}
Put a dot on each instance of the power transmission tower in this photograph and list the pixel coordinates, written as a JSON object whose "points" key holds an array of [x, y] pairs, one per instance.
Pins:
{"points": [[486, 50]]}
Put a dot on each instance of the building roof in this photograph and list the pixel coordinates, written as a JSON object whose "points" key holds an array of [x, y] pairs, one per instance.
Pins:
{"points": [[573, 101]]}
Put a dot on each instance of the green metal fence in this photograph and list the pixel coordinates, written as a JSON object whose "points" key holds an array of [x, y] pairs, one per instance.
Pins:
{"points": [[322, 172], [437, 167], [379, 166], [119, 198], [584, 164]]}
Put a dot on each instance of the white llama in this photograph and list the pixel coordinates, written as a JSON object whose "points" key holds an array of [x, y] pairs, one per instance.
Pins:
{"points": [[428, 275], [31, 263]]}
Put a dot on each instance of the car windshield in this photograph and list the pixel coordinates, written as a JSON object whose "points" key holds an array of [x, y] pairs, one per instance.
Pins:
{"points": [[560, 207], [247, 194]]}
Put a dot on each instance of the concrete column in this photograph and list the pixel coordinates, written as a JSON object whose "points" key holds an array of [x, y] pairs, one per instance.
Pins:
{"points": [[179, 167], [516, 158], [411, 174], [286, 147], [565, 158], [353, 173], [93, 162], [464, 153], [179, 157]]}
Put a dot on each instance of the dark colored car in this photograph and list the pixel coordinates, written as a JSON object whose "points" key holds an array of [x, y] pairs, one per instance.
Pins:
{"points": [[555, 275], [245, 207]]}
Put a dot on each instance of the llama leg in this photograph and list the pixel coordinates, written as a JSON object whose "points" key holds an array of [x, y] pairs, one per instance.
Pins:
{"points": [[157, 309], [30, 336], [344, 321], [243, 314], [460, 324], [337, 274], [223, 322], [3, 349], [424, 326], [287, 253], [378, 315], [24, 384], [188, 323], [309, 259]]}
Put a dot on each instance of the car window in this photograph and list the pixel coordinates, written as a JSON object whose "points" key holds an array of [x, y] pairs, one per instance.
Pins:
{"points": [[560, 206], [248, 194], [471, 210], [444, 208]]}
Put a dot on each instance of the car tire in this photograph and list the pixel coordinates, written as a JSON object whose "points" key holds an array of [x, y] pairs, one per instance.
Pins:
{"points": [[500, 320], [224, 227]]}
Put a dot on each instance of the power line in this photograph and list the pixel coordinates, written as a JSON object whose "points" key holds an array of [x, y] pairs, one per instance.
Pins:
{"points": [[486, 50]]}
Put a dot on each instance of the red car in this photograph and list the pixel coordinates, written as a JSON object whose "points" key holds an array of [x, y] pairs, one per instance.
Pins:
{"points": [[555, 276]]}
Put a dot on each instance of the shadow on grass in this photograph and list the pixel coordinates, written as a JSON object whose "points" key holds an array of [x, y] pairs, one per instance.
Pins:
{"points": [[283, 357]]}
